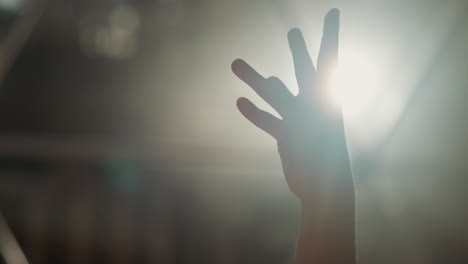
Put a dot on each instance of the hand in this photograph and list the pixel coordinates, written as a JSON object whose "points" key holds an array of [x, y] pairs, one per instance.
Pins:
{"points": [[312, 146], [310, 135]]}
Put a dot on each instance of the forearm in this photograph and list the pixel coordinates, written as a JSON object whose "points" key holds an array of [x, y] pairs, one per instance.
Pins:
{"points": [[327, 233]]}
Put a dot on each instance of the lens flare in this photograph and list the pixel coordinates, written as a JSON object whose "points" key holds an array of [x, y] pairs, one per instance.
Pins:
{"points": [[354, 84]]}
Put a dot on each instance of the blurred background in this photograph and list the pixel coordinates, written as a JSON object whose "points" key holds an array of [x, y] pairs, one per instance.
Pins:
{"points": [[120, 141]]}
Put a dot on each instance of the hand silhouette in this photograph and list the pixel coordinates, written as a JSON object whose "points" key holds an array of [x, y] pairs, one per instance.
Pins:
{"points": [[312, 146], [310, 135]]}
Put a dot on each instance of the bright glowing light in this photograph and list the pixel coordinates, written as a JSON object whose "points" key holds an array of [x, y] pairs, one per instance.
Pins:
{"points": [[355, 84]]}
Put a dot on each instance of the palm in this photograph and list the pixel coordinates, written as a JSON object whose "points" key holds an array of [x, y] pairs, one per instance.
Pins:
{"points": [[310, 135]]}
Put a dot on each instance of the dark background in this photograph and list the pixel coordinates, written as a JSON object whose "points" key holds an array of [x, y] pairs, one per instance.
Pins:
{"points": [[120, 141]]}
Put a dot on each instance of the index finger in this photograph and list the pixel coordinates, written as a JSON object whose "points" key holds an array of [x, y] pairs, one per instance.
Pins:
{"points": [[303, 64], [328, 55]]}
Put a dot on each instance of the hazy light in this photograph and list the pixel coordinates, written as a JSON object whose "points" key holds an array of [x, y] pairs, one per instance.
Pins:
{"points": [[9, 248], [355, 84], [117, 38], [11, 4], [370, 107]]}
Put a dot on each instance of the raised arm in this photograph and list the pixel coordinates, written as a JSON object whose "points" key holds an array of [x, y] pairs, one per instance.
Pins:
{"points": [[312, 146]]}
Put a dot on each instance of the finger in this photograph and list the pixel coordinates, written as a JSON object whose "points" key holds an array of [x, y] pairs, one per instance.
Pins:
{"points": [[328, 55], [278, 95], [264, 120], [246, 73], [272, 90], [303, 64]]}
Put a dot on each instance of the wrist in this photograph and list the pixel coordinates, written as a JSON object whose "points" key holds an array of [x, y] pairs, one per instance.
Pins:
{"points": [[327, 233], [337, 193]]}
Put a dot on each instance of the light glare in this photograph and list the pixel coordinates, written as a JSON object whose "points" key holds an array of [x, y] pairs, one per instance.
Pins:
{"points": [[355, 84]]}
